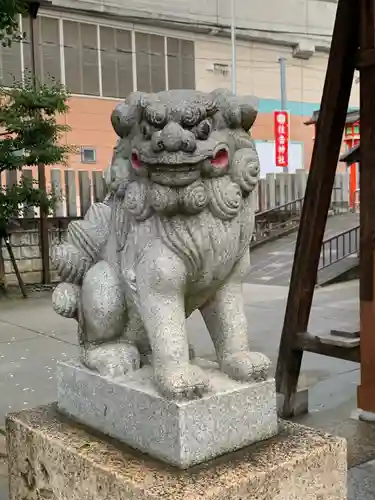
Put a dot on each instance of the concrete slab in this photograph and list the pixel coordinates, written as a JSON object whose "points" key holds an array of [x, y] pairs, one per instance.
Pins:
{"points": [[14, 333], [24, 315], [27, 371], [361, 482]]}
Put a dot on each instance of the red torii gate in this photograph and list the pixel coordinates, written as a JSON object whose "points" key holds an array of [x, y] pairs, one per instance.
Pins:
{"points": [[351, 140]]}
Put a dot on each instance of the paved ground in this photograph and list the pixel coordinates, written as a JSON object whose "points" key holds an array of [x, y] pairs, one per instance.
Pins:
{"points": [[33, 338], [272, 263]]}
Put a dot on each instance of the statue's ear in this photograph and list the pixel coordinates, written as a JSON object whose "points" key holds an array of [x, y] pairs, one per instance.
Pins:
{"points": [[249, 110], [239, 111], [221, 96], [127, 114], [123, 118]]}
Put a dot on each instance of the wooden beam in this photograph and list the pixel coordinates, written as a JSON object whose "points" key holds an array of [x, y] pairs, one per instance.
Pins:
{"points": [[330, 127], [365, 58], [317, 345], [366, 391]]}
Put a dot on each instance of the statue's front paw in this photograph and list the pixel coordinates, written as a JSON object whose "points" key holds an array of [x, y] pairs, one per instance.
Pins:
{"points": [[246, 366], [113, 360], [181, 382]]}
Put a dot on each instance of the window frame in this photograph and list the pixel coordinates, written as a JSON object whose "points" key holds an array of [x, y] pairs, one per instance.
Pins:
{"points": [[98, 24], [85, 149]]}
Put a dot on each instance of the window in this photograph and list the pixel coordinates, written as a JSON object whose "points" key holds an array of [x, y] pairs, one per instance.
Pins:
{"points": [[116, 60], [88, 155], [181, 64], [81, 58], [47, 40], [82, 55], [10, 64], [150, 57]]}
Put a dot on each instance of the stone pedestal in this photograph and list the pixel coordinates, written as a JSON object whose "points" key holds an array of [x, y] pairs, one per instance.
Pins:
{"points": [[56, 459], [182, 433]]}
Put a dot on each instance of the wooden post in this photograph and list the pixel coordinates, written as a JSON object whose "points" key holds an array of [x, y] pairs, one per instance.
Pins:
{"points": [[28, 211], [57, 188], [271, 190], [70, 193], [330, 127], [99, 186], [84, 191], [366, 391]]}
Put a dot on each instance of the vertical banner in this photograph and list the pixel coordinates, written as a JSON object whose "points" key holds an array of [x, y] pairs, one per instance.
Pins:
{"points": [[281, 129]]}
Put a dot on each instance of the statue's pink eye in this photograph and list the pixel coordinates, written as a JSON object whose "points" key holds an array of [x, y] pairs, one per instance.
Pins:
{"points": [[221, 159]]}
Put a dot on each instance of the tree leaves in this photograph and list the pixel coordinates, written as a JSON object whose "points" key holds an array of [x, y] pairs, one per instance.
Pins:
{"points": [[9, 12], [30, 135]]}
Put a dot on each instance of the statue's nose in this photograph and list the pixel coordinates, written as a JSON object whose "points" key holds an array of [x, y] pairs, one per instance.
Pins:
{"points": [[175, 138]]}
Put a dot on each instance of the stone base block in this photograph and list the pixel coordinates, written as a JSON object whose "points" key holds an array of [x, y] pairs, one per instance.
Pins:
{"points": [[181, 433], [53, 458]]}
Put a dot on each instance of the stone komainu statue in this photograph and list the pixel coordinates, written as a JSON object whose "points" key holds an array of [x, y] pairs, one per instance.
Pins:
{"points": [[173, 237]]}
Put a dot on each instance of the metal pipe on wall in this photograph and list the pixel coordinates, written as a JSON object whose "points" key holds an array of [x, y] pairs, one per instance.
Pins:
{"points": [[234, 48]]}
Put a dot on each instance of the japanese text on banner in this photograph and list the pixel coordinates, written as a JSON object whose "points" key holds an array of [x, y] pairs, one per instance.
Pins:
{"points": [[281, 130]]}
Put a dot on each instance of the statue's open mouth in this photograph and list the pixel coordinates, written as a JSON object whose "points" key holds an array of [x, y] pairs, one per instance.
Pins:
{"points": [[179, 160], [220, 158], [179, 169]]}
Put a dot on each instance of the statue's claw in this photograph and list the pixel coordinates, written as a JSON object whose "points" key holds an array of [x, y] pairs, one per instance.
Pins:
{"points": [[112, 360], [246, 366], [181, 382]]}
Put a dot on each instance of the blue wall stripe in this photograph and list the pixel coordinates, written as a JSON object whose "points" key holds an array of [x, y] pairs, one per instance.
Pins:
{"points": [[297, 108], [294, 107]]}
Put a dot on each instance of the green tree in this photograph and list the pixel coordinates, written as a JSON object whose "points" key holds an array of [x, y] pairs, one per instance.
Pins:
{"points": [[30, 135], [9, 29]]}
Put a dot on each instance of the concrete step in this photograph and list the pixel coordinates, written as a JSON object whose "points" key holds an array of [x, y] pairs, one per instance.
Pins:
{"points": [[343, 270]]}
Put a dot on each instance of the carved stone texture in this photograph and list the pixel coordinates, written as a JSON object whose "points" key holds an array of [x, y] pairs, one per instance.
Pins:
{"points": [[298, 464], [173, 237], [182, 433]]}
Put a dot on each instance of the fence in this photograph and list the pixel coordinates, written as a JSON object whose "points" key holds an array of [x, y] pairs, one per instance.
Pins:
{"points": [[282, 188], [79, 189], [76, 189]]}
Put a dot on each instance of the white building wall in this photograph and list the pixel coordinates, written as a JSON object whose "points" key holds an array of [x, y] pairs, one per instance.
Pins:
{"points": [[283, 21], [258, 70], [311, 17]]}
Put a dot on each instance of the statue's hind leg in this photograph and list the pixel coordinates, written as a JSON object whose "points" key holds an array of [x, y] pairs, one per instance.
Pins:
{"points": [[103, 321]]}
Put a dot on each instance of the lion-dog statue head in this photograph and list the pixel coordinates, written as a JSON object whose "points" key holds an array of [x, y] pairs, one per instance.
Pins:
{"points": [[182, 151]]}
